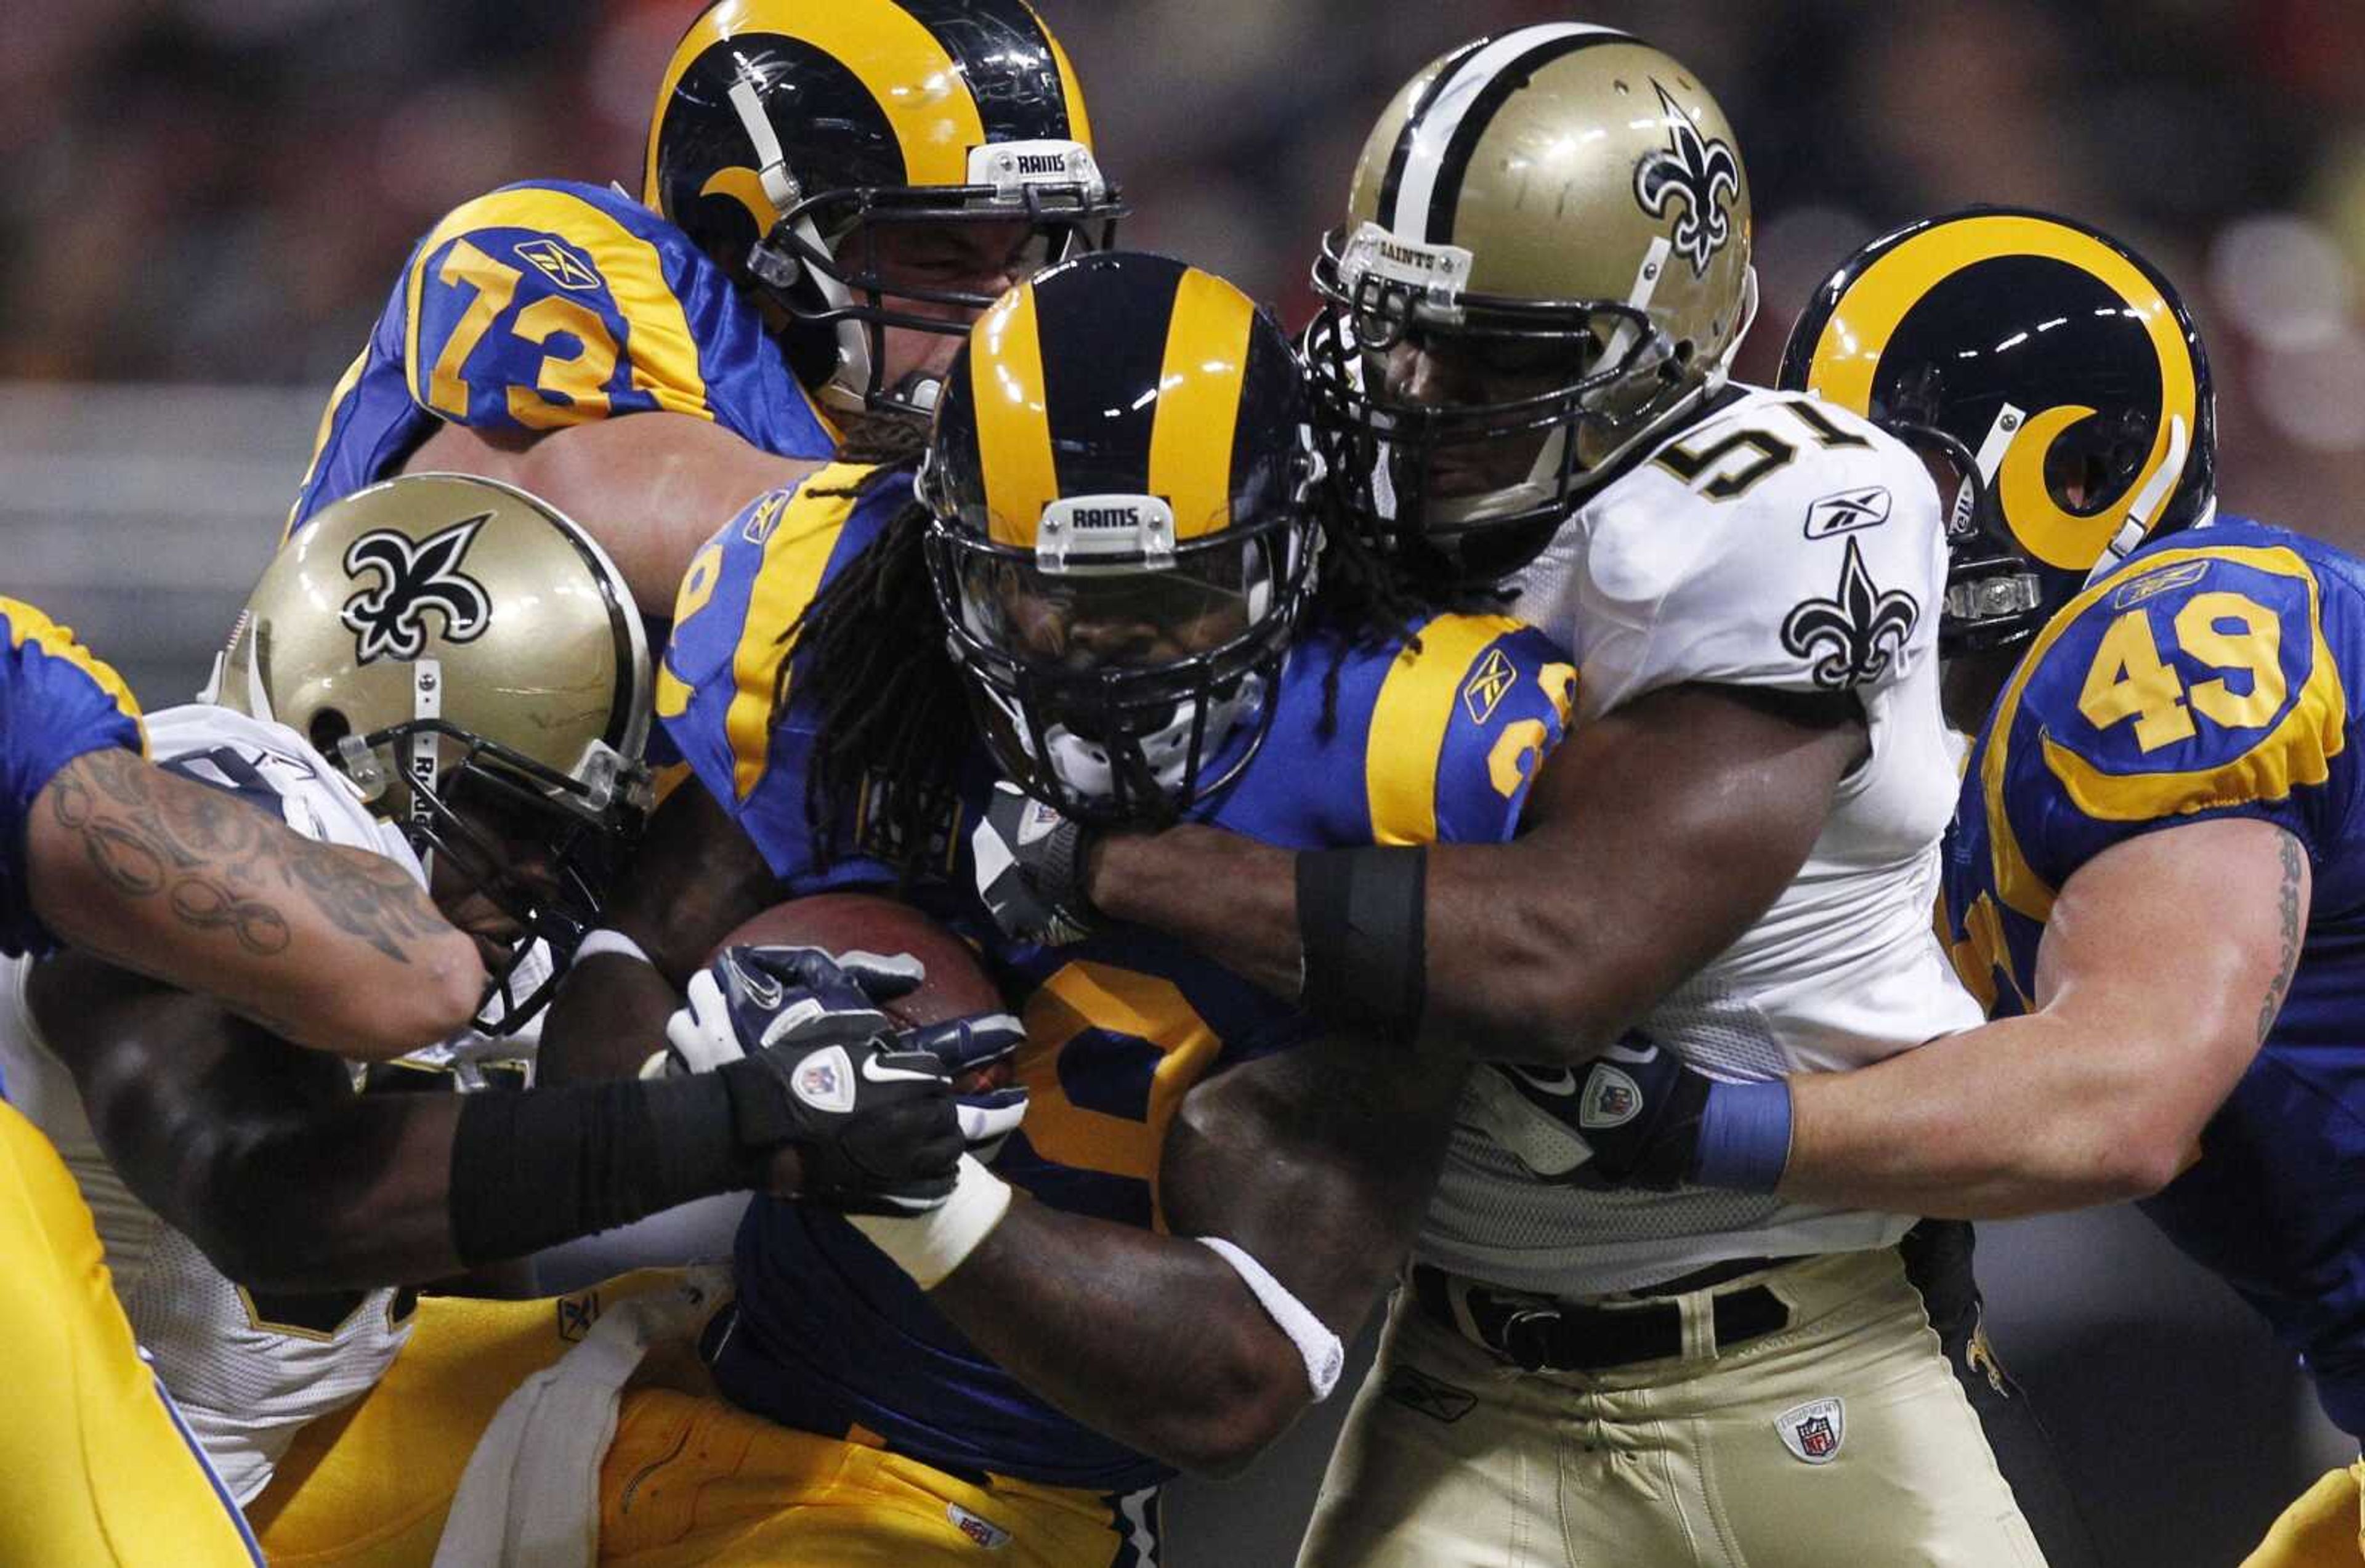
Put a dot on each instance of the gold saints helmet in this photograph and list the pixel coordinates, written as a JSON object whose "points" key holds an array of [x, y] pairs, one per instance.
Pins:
{"points": [[788, 132], [2055, 370], [474, 664], [1545, 259]]}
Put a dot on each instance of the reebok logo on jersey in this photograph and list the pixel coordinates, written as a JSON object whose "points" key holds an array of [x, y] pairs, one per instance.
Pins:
{"points": [[825, 1081], [2154, 584], [1486, 685], [1866, 506], [1813, 1431], [992, 1537], [1611, 1100], [555, 262]]}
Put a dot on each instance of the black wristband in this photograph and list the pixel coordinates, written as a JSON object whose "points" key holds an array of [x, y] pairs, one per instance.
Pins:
{"points": [[536, 1168], [1362, 922]]}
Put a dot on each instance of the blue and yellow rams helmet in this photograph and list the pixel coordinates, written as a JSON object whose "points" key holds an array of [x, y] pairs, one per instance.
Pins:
{"points": [[787, 131], [1121, 542], [2059, 371]]}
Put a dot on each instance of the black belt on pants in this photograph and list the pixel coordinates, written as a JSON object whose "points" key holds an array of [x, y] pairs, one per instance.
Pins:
{"points": [[1538, 1334]]}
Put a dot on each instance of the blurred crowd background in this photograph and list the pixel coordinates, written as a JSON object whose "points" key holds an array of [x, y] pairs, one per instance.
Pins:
{"points": [[206, 202]]}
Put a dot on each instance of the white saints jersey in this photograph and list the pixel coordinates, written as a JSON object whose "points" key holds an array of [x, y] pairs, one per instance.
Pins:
{"points": [[247, 1369], [1776, 542]]}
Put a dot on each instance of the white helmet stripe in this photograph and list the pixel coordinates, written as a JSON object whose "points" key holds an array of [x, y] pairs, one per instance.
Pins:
{"points": [[1432, 134]]}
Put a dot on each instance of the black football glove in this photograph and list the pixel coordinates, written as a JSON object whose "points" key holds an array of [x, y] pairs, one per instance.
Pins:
{"points": [[1629, 1118], [1030, 870], [866, 1119]]}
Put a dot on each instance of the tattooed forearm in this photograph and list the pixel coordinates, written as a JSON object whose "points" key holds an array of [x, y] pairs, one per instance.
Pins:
{"points": [[366, 896], [220, 865], [2292, 920]]}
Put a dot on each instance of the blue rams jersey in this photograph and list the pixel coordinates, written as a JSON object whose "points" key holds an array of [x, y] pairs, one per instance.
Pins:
{"points": [[57, 703], [831, 1336], [2216, 674], [546, 304]]}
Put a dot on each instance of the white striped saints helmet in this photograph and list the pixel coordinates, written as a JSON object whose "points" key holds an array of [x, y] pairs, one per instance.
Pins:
{"points": [[1561, 212]]}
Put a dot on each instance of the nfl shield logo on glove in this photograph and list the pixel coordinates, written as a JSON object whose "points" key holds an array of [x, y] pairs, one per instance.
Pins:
{"points": [[825, 1081], [1813, 1431]]}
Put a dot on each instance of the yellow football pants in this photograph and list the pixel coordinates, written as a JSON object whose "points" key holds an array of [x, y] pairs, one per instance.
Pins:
{"points": [[2325, 1529], [94, 1467], [694, 1481], [369, 1487]]}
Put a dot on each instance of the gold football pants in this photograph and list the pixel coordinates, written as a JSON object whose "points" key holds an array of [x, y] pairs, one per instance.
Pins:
{"points": [[95, 1465], [1843, 1437]]}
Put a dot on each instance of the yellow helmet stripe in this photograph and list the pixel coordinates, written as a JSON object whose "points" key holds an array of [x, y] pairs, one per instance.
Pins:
{"points": [[26, 624], [1014, 429], [1199, 402], [914, 81], [1848, 354], [1411, 718]]}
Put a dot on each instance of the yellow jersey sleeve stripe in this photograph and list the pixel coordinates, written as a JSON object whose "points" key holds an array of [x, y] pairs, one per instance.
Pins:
{"points": [[26, 624], [795, 557], [1014, 429], [878, 44], [1198, 402], [2314, 724], [1411, 718], [337, 396]]}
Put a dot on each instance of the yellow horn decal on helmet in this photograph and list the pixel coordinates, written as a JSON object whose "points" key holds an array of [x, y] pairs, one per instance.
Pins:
{"points": [[745, 186], [1199, 402], [2053, 536], [913, 78], [1849, 351], [1014, 430]]}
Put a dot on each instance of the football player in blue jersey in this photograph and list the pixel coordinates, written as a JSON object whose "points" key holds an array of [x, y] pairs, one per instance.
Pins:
{"points": [[2151, 878], [833, 189], [1157, 1270]]}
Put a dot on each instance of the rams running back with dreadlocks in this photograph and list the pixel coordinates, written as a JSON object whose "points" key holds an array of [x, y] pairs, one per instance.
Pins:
{"points": [[1731, 862], [1123, 593], [831, 192]]}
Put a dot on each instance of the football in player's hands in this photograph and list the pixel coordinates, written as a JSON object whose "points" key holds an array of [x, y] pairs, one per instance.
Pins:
{"points": [[750, 997], [955, 986]]}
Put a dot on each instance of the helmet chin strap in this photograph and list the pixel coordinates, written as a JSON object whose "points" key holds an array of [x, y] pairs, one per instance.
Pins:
{"points": [[423, 747], [2145, 508], [848, 386]]}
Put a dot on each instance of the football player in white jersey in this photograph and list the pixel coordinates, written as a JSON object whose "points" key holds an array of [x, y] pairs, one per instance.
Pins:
{"points": [[446, 674], [1530, 310]]}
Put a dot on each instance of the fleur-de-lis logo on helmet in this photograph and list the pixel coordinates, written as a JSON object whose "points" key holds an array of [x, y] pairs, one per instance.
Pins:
{"points": [[414, 578], [1853, 637], [1700, 173]]}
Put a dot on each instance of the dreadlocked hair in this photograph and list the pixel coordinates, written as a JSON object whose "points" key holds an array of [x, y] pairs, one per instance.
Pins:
{"points": [[892, 720]]}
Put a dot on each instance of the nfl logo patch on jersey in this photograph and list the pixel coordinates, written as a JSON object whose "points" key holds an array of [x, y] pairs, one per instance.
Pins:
{"points": [[1813, 1431], [1611, 1100]]}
